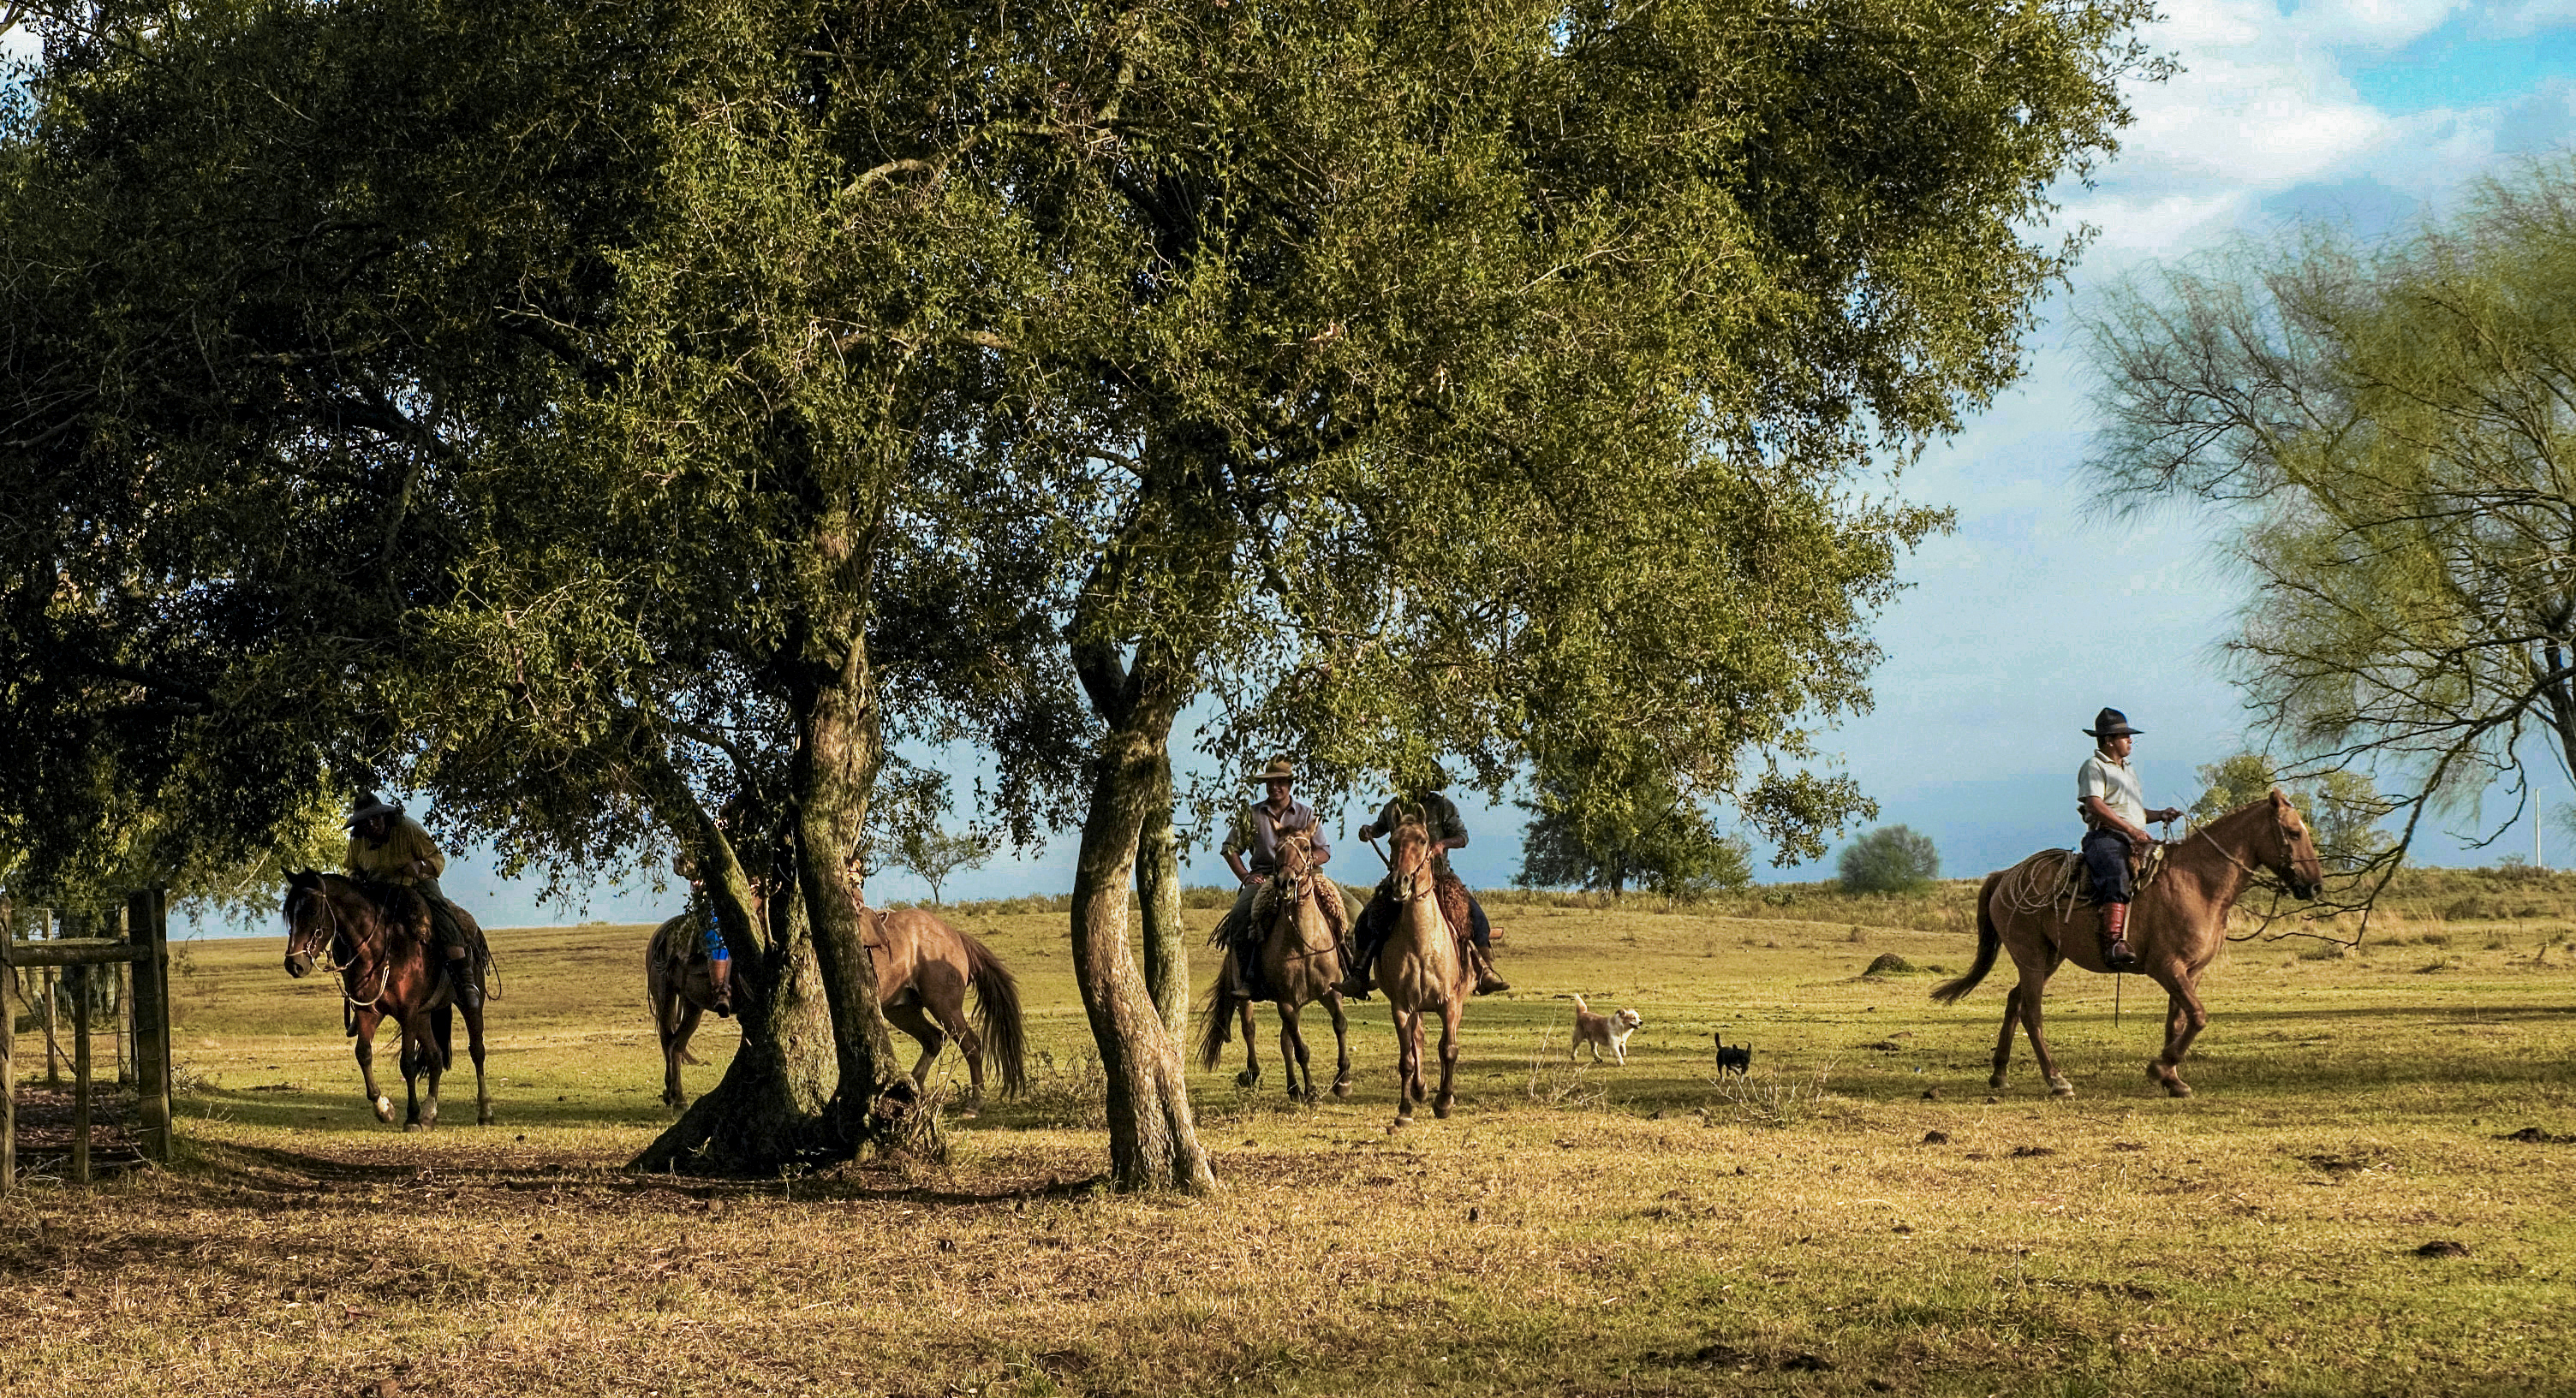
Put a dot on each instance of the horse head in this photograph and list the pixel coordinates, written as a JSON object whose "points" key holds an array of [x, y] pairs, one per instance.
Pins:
{"points": [[1411, 860], [2294, 852], [1293, 865], [311, 922]]}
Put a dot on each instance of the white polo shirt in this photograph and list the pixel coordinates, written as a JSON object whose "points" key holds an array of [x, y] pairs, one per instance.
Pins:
{"points": [[2111, 779]]}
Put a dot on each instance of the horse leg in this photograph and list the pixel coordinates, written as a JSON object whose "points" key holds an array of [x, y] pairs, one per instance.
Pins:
{"points": [[1413, 1045], [411, 1070], [376, 1098], [909, 1018], [675, 1051], [1292, 1055], [2184, 1019], [2004, 1040], [1341, 1043], [1251, 1074], [474, 1050], [1448, 1098], [433, 1058], [946, 1000], [1408, 1050], [2031, 990]]}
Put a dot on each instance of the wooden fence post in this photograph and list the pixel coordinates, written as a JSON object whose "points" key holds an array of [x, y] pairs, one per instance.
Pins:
{"points": [[148, 925], [8, 1065], [76, 980]]}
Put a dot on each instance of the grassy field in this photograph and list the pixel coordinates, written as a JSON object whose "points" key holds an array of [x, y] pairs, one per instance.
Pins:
{"points": [[1859, 1215]]}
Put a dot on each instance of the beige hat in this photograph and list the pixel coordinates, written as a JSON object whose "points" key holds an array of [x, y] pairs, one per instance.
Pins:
{"points": [[1279, 770]]}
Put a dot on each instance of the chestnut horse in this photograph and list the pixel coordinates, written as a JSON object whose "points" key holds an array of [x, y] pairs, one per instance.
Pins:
{"points": [[924, 968], [2176, 926], [1301, 963], [390, 968], [1421, 972]]}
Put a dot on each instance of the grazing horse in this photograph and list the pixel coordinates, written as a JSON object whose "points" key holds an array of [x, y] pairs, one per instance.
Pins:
{"points": [[1301, 963], [2176, 926], [390, 968], [924, 968], [681, 985], [1421, 971]]}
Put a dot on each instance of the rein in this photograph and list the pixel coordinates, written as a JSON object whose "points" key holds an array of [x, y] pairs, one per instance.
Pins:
{"points": [[330, 960]]}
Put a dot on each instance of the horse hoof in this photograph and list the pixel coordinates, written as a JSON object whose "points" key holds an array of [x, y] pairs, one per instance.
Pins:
{"points": [[1398, 1123], [415, 1126], [1246, 1079], [2177, 1088], [967, 1114], [1440, 1110], [385, 1109], [2060, 1087], [1342, 1089], [1996, 1082], [483, 1118]]}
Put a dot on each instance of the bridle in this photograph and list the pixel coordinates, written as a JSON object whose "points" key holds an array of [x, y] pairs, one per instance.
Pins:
{"points": [[328, 957], [2289, 846]]}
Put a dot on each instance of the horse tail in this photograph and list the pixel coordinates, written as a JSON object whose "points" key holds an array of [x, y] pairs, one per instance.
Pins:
{"points": [[997, 1014], [1990, 940], [1216, 1023]]}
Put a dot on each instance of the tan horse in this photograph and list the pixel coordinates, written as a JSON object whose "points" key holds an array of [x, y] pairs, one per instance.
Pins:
{"points": [[2176, 926], [924, 968], [1301, 963], [681, 986], [1421, 972]]}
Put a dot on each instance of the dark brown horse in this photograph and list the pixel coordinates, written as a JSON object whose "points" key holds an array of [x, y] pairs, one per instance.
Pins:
{"points": [[1422, 971], [2176, 926], [1301, 963], [390, 968]]}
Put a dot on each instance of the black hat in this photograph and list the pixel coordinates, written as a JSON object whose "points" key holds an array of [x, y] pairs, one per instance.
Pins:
{"points": [[367, 805], [2111, 723]]}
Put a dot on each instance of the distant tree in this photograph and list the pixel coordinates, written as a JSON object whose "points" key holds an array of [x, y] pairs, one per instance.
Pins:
{"points": [[1666, 844], [2383, 431], [1889, 859], [935, 853], [2343, 809]]}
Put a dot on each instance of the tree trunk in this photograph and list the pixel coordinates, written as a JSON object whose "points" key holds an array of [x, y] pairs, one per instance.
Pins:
{"points": [[835, 765], [1152, 1143], [1158, 901], [767, 1112]]}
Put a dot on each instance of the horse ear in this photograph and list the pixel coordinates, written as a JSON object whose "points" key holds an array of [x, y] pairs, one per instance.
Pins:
{"points": [[2280, 800]]}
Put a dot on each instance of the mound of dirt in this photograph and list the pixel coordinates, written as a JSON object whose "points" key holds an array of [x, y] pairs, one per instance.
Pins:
{"points": [[2533, 1135], [1889, 964]]}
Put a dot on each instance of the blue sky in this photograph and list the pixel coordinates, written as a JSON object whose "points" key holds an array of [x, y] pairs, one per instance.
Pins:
{"points": [[2033, 614]]}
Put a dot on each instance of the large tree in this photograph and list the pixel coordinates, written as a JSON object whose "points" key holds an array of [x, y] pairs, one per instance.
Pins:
{"points": [[1499, 382], [2384, 432]]}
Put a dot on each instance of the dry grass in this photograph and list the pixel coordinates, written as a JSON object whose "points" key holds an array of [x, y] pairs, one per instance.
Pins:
{"points": [[1653, 1229]]}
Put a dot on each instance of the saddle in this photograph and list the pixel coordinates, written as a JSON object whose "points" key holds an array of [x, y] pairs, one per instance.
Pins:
{"points": [[2075, 887]]}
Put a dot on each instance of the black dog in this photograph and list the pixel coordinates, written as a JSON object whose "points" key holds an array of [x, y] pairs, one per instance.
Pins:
{"points": [[1738, 1059]]}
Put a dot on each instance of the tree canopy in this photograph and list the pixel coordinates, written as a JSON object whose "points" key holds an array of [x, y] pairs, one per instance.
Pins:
{"points": [[2383, 429], [1889, 859], [1668, 845], [626, 423]]}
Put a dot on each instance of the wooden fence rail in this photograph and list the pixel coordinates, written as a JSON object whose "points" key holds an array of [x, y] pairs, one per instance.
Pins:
{"points": [[146, 947]]}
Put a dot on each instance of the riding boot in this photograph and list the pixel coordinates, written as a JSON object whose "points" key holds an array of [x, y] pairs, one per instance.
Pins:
{"points": [[460, 976], [2116, 955], [719, 978], [1486, 981], [1358, 982], [1247, 971]]}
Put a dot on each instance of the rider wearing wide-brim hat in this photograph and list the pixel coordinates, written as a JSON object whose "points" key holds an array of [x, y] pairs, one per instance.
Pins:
{"points": [[2115, 811], [388, 847], [1251, 851], [1425, 802]]}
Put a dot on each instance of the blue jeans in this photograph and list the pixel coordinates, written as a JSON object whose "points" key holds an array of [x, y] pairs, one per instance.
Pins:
{"points": [[2106, 861]]}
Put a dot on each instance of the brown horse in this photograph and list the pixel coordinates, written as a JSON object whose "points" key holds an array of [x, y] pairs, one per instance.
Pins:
{"points": [[678, 980], [1421, 971], [924, 968], [1301, 963], [390, 968], [2176, 926]]}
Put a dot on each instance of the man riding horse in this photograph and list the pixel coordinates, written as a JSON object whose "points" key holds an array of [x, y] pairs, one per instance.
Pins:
{"points": [[1439, 816], [1251, 850], [2115, 811], [388, 847], [706, 943]]}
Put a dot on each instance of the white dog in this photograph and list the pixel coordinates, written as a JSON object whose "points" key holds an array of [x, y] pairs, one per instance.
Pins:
{"points": [[1608, 1031]]}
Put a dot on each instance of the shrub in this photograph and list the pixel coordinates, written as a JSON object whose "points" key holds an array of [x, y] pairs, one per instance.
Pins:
{"points": [[1890, 859]]}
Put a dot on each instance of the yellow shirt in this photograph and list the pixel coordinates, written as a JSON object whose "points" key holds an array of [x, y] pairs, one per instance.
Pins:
{"points": [[391, 861]]}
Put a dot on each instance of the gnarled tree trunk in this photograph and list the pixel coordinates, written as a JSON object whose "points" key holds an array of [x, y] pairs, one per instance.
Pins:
{"points": [[1158, 901]]}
